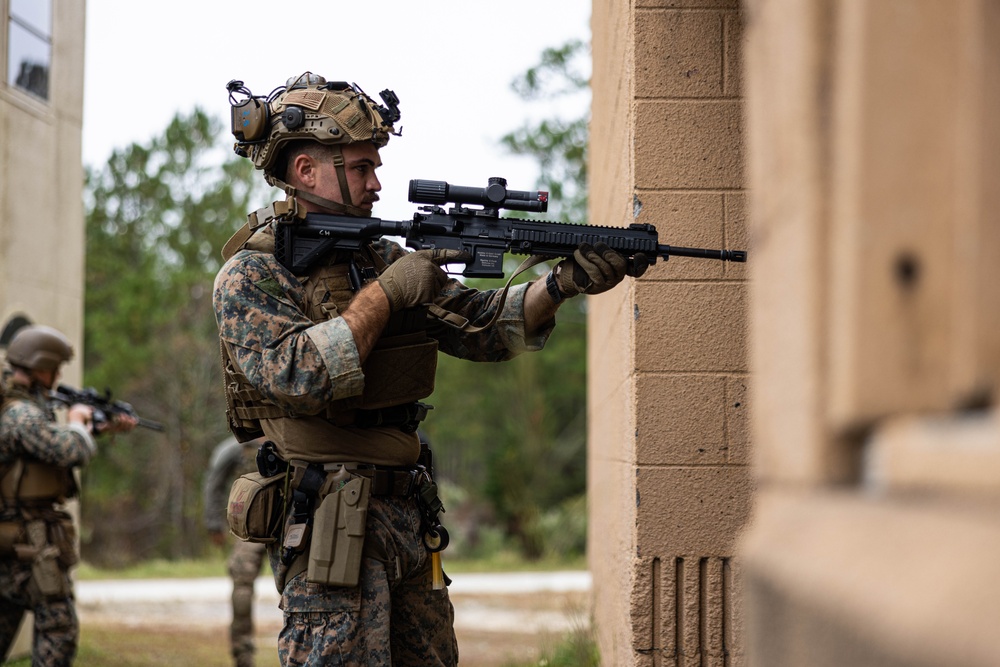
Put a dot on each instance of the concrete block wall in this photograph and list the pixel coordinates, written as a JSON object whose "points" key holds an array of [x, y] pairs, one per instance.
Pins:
{"points": [[669, 457], [42, 236]]}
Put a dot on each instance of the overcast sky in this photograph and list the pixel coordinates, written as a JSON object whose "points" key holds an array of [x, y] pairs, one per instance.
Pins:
{"points": [[449, 61]]}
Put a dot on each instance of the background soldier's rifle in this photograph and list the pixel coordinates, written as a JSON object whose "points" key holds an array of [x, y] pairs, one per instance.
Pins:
{"points": [[300, 241], [104, 408]]}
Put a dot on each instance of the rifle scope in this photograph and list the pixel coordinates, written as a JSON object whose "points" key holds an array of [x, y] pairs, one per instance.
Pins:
{"points": [[494, 195]]}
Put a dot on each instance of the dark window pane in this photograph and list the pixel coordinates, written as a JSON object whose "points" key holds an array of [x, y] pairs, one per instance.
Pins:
{"points": [[28, 61], [34, 13]]}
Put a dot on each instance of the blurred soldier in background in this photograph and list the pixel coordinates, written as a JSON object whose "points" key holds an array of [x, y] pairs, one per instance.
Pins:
{"points": [[37, 458], [230, 459]]}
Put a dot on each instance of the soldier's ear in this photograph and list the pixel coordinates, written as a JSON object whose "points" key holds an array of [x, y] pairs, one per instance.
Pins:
{"points": [[303, 170]]}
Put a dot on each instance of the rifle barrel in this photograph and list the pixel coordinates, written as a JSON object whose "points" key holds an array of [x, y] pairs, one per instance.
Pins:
{"points": [[150, 424], [665, 251]]}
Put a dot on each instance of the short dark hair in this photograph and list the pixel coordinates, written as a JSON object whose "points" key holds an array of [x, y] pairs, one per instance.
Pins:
{"points": [[313, 149]]}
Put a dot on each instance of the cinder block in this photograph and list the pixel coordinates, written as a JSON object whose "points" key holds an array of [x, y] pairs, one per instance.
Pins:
{"points": [[691, 327], [681, 419], [678, 54], [693, 219], [692, 510], [689, 145]]}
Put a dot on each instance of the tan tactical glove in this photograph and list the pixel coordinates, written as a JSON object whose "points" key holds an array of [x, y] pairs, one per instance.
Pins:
{"points": [[417, 277], [595, 269]]}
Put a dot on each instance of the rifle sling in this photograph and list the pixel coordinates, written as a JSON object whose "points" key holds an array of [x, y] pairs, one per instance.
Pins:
{"points": [[462, 323]]}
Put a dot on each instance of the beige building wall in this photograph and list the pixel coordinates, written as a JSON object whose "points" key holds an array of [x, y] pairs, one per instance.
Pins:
{"points": [[874, 164], [669, 477], [41, 186]]}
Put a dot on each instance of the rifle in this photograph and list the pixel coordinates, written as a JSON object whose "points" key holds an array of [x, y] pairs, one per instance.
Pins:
{"points": [[299, 242], [104, 408]]}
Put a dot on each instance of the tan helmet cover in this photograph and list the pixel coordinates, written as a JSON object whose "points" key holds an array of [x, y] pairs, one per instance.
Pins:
{"points": [[309, 109], [39, 348]]}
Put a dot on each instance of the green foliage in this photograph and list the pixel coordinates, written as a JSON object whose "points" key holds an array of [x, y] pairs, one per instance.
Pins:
{"points": [[558, 145], [575, 649], [514, 434], [157, 216]]}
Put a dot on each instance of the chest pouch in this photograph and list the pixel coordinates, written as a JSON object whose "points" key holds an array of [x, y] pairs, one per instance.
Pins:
{"points": [[254, 509]]}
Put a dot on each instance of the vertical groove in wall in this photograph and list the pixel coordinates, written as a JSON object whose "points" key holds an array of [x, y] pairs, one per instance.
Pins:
{"points": [[657, 615], [703, 611], [679, 611], [727, 611]]}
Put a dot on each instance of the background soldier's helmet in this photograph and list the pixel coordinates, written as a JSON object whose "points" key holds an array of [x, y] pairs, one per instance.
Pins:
{"points": [[307, 107], [39, 348]]}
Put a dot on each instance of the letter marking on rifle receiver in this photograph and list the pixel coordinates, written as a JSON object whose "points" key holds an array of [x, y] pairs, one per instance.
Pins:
{"points": [[479, 231]]}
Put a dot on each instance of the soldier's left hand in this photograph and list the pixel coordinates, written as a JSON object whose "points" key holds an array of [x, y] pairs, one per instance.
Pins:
{"points": [[596, 268], [120, 423]]}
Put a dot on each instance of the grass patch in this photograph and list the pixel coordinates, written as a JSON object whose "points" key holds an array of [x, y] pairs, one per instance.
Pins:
{"points": [[215, 566], [129, 647], [576, 649], [510, 561]]}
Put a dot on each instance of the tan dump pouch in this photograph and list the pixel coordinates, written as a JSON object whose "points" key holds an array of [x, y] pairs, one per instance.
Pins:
{"points": [[254, 510], [11, 533], [31, 480], [397, 375]]}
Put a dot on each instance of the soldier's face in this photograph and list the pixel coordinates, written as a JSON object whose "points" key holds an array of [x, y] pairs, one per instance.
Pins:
{"points": [[360, 162], [46, 378]]}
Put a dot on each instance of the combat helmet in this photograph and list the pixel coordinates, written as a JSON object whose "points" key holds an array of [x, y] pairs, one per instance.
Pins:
{"points": [[39, 348], [308, 107]]}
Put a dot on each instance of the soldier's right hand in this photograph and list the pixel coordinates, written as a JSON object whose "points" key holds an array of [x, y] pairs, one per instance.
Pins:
{"points": [[417, 278]]}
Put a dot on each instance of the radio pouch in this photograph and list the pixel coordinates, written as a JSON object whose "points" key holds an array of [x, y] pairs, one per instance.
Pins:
{"points": [[338, 536], [254, 510]]}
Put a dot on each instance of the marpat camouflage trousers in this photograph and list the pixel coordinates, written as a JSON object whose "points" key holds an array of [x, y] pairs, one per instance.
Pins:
{"points": [[57, 629], [387, 620]]}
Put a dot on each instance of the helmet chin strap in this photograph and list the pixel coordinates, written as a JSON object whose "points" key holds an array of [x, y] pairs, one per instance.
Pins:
{"points": [[336, 208]]}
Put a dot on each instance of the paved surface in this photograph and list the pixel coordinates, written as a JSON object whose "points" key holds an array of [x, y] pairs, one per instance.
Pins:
{"points": [[507, 602]]}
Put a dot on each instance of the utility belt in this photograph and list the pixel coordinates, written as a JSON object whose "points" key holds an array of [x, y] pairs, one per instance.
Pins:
{"points": [[324, 507], [399, 481]]}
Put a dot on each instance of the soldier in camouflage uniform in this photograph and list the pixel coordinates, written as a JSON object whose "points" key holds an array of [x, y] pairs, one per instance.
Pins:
{"points": [[230, 459], [37, 457], [330, 367]]}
